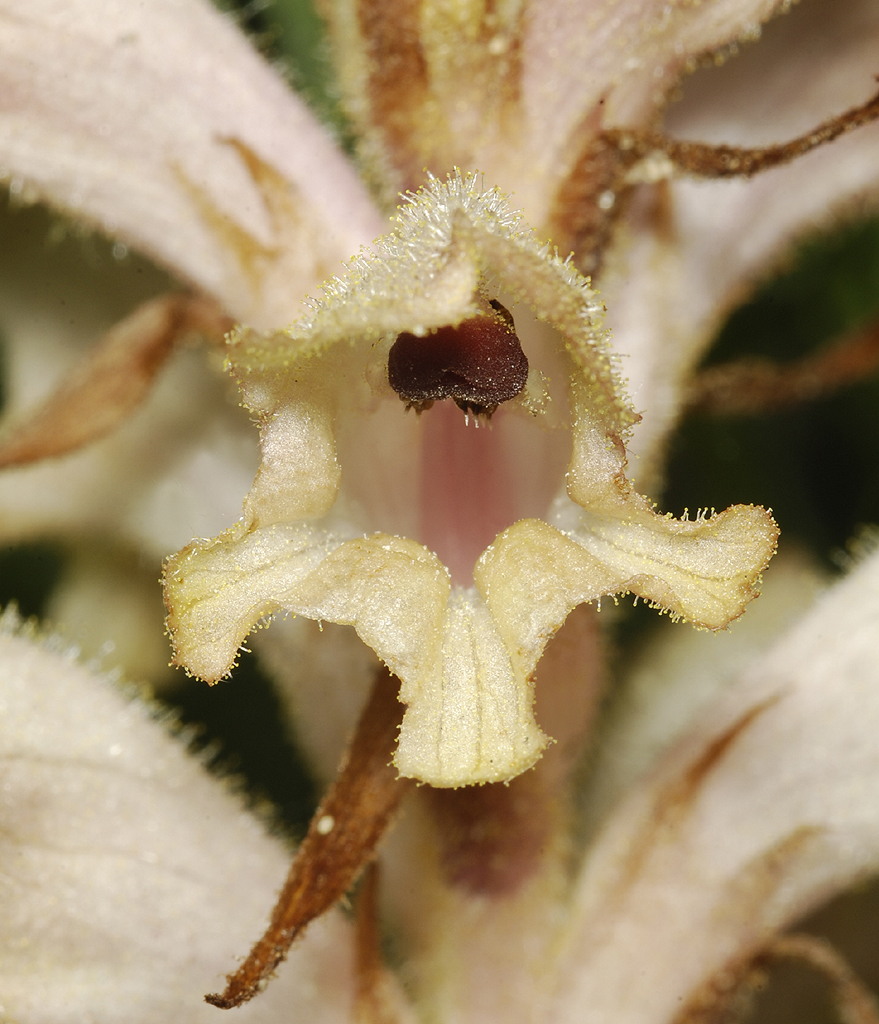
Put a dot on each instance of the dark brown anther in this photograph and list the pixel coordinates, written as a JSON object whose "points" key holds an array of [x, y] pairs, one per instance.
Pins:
{"points": [[479, 364]]}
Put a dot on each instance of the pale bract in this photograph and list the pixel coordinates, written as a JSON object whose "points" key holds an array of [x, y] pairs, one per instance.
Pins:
{"points": [[130, 877], [464, 649], [762, 810]]}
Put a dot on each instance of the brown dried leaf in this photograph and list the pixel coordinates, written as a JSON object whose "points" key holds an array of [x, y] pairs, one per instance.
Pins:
{"points": [[854, 1001], [726, 996], [718, 161], [113, 379], [341, 838], [376, 998], [755, 385]]}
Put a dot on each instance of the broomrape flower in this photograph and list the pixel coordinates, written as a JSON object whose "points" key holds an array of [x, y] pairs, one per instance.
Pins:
{"points": [[446, 465]]}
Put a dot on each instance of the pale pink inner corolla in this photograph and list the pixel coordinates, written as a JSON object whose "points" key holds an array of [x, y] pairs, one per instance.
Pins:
{"points": [[475, 481]]}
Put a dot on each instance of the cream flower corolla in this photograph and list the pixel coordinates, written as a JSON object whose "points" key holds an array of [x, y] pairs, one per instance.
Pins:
{"points": [[464, 652]]}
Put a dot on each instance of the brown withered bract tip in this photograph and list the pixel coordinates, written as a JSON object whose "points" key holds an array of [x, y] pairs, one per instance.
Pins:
{"points": [[479, 364], [341, 839]]}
